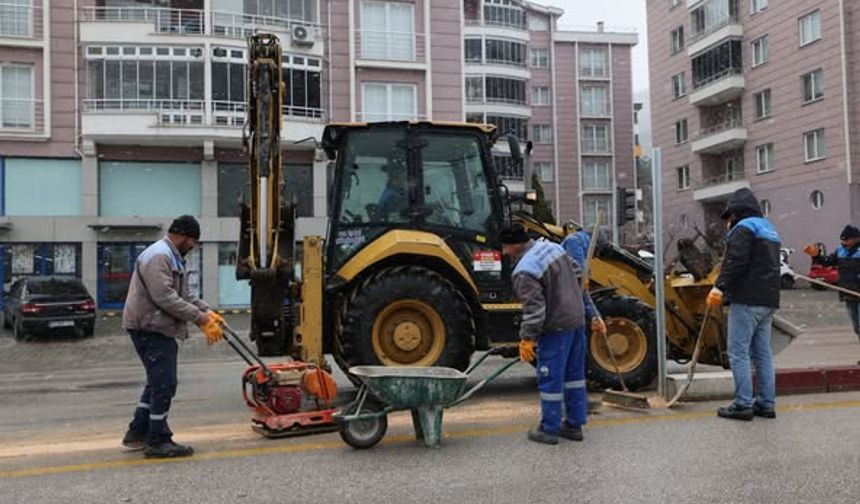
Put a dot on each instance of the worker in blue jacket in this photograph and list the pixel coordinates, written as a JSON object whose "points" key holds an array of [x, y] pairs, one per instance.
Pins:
{"points": [[576, 242]]}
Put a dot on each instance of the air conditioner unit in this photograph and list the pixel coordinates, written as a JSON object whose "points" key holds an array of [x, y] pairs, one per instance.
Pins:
{"points": [[302, 36]]}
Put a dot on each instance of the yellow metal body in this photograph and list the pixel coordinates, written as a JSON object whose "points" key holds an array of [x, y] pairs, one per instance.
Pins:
{"points": [[404, 242], [307, 337]]}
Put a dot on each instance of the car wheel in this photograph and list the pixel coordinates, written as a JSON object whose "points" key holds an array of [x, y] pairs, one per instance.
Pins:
{"points": [[7, 323], [20, 334]]}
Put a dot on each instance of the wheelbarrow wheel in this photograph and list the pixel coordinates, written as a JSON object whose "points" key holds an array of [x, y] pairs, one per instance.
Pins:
{"points": [[363, 434]]}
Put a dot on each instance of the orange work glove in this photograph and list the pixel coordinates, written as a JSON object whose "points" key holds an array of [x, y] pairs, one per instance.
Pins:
{"points": [[714, 299], [598, 326], [217, 317], [212, 329], [527, 350], [811, 250]]}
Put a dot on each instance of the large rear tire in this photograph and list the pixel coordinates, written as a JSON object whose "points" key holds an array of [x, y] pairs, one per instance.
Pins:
{"points": [[405, 316], [632, 335]]}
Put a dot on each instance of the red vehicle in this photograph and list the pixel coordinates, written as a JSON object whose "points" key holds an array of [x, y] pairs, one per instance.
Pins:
{"points": [[821, 272]]}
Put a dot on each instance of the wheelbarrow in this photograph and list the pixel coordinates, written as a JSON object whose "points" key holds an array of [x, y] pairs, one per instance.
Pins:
{"points": [[426, 391]]}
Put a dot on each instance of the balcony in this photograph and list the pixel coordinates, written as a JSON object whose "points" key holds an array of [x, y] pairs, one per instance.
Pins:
{"points": [[723, 137], [183, 122], [722, 29], [390, 49], [721, 187], [20, 22], [718, 88], [21, 117], [498, 28], [137, 22]]}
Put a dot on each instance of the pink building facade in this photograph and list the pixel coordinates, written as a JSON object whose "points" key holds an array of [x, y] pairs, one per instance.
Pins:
{"points": [[118, 115], [757, 94]]}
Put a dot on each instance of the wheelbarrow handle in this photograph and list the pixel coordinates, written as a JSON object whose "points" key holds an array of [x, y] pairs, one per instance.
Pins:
{"points": [[503, 351], [478, 386]]}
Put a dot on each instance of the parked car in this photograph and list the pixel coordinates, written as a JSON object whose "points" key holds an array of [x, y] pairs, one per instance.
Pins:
{"points": [[786, 273], [42, 304]]}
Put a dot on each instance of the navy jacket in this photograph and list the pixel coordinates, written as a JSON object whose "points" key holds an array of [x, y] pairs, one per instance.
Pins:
{"points": [[847, 262]]}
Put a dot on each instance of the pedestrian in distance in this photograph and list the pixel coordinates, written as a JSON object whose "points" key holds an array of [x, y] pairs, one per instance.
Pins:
{"points": [[846, 258], [552, 331], [158, 307], [749, 284]]}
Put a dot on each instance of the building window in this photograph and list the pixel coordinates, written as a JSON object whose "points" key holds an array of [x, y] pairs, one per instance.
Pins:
{"points": [[813, 85], [591, 204], [504, 13], [16, 18], [595, 138], [301, 10], [473, 50], [764, 158], [809, 27], [299, 183], [139, 189], [387, 31], [760, 51], [389, 102], [594, 101], [683, 177], [542, 133], [474, 90], [595, 176], [718, 63], [816, 199], [17, 106], [518, 126], [540, 95], [231, 292], [762, 104], [711, 15], [505, 90], [679, 85], [765, 207], [42, 187], [506, 168], [545, 172], [592, 62], [681, 133], [303, 87], [813, 145], [677, 39], [685, 221], [540, 58], [538, 23], [505, 52], [232, 188], [758, 5]]}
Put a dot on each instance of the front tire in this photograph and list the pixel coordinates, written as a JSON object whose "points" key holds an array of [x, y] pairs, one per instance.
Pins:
{"points": [[405, 316], [632, 333]]}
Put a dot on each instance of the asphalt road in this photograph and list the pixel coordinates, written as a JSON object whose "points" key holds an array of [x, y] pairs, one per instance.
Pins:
{"points": [[808, 454]]}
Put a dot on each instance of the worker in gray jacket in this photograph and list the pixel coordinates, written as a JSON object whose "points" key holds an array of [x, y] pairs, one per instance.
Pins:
{"points": [[555, 310], [157, 310]]}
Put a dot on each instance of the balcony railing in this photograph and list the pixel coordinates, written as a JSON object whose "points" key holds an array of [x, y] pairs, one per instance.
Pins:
{"points": [[372, 117], [712, 79], [22, 115], [718, 128], [20, 21], [382, 45], [241, 26], [496, 22], [192, 112], [489, 100], [725, 178], [727, 20]]}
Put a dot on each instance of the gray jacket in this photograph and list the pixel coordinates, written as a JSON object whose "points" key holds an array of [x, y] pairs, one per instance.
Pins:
{"points": [[546, 282], [158, 296]]}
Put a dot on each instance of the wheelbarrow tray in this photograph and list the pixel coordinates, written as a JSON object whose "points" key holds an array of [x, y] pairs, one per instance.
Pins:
{"points": [[412, 387]]}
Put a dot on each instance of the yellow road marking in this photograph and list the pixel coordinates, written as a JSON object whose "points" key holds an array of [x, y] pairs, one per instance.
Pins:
{"points": [[401, 438]]}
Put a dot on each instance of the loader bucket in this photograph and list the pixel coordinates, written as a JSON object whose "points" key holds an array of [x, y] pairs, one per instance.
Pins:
{"points": [[782, 334]]}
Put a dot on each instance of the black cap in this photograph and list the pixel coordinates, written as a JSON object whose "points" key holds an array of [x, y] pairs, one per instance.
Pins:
{"points": [[513, 235], [185, 225], [849, 232]]}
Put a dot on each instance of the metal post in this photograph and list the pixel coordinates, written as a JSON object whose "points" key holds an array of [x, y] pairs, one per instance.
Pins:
{"points": [[659, 273]]}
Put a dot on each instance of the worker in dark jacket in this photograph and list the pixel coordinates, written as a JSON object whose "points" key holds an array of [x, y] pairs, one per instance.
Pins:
{"points": [[846, 258], [554, 314], [749, 284]]}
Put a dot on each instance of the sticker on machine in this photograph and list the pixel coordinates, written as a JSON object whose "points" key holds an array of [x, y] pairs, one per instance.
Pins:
{"points": [[487, 260]]}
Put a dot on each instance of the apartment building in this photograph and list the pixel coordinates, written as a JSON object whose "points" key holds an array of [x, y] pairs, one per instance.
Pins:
{"points": [[119, 114], [757, 94]]}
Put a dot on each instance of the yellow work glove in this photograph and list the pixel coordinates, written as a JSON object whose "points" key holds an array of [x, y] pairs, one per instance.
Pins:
{"points": [[217, 317], [598, 326], [213, 331], [527, 350], [811, 250], [714, 299]]}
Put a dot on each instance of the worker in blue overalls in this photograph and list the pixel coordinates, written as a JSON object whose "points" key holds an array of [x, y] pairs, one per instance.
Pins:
{"points": [[576, 242], [552, 330]]}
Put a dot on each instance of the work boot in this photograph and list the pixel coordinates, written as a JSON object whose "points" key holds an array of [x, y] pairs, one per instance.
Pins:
{"points": [[572, 432], [168, 449], [134, 441], [763, 412], [735, 412], [539, 436]]}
